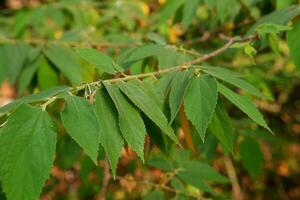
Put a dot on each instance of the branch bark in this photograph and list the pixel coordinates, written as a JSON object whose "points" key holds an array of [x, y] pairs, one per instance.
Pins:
{"points": [[236, 189], [105, 181]]}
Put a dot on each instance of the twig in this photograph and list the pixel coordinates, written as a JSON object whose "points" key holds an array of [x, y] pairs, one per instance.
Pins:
{"points": [[206, 35], [236, 189], [105, 182], [186, 65], [183, 66]]}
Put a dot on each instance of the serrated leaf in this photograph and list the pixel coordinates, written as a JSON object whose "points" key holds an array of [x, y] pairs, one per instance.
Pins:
{"points": [[278, 17], [12, 59], [135, 90], [251, 157], [203, 171], [163, 85], [154, 195], [145, 51], [98, 59], [268, 28], [170, 57], [47, 77], [274, 43], [232, 78], [27, 150], [189, 11], [196, 174], [31, 66], [157, 136], [196, 182], [130, 120], [227, 9], [245, 104], [34, 98], [110, 134], [80, 122], [250, 51], [200, 102], [65, 60], [169, 9], [294, 43], [179, 86], [221, 127]]}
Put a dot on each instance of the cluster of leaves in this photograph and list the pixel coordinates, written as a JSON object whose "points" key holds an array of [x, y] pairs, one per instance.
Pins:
{"points": [[119, 109]]}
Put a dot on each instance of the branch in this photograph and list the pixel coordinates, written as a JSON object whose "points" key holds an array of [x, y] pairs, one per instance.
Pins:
{"points": [[105, 182], [236, 189], [186, 65], [230, 42]]}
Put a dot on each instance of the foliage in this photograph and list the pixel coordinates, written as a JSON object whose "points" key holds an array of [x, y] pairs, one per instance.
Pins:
{"points": [[97, 79]]}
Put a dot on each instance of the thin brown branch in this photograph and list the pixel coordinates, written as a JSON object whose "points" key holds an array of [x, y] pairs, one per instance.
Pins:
{"points": [[206, 35], [105, 181], [183, 66], [186, 65], [236, 189]]}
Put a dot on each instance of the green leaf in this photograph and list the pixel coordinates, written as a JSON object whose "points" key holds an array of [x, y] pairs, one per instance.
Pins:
{"points": [[34, 98], [196, 182], [245, 104], [163, 85], [27, 150], [110, 134], [101, 61], [80, 122], [231, 77], [200, 102], [278, 17], [171, 57], [30, 69], [211, 4], [169, 9], [12, 59], [274, 43], [250, 51], [227, 9], [145, 51], [65, 60], [267, 28], [47, 76], [202, 171], [189, 11], [137, 93], [284, 3], [179, 86], [154, 195], [197, 173], [221, 127], [130, 120], [251, 157], [294, 43]]}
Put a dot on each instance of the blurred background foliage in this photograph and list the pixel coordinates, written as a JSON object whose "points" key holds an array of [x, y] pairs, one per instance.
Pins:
{"points": [[37, 38]]}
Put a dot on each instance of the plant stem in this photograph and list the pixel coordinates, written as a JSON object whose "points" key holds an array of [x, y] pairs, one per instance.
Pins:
{"points": [[186, 65], [105, 181], [236, 189]]}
